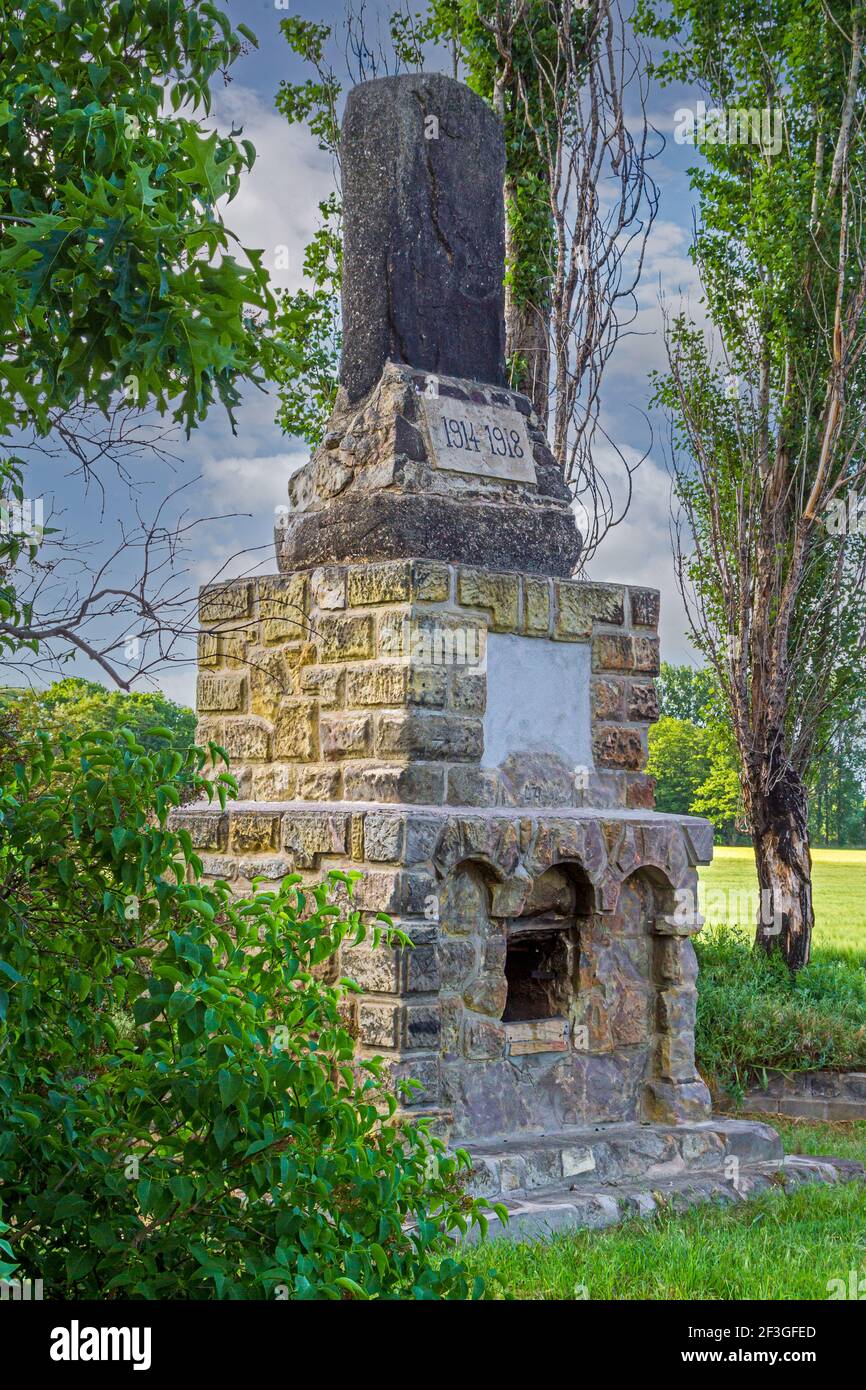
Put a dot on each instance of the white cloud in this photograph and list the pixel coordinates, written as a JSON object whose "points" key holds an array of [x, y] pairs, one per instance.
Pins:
{"points": [[276, 208]]}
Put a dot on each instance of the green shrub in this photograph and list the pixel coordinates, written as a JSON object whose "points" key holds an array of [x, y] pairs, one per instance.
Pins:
{"points": [[754, 1016], [180, 1116]]}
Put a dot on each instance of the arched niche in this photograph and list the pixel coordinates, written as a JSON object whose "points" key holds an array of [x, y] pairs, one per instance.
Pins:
{"points": [[542, 960]]}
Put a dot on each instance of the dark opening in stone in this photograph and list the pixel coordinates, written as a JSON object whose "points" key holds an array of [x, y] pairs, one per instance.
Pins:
{"points": [[538, 976]]}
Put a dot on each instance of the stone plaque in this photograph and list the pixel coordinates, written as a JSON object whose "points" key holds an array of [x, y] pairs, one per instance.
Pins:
{"points": [[491, 441]]}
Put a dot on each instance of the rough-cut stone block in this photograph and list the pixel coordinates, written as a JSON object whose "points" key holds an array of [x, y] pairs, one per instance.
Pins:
{"points": [[375, 584], [399, 891], [226, 693], [206, 829], [536, 607], [282, 608], [208, 649], [615, 746], [644, 607], [325, 682], [235, 647], [612, 652], [247, 739], [253, 832], [270, 675], [375, 969], [383, 836], [670, 1103], [579, 605], [376, 685], [345, 638], [498, 594], [421, 965], [310, 833], [319, 783], [468, 692], [643, 701], [345, 735], [640, 792], [484, 1038], [328, 587], [379, 1024], [274, 782], [487, 994], [421, 735], [646, 655], [220, 602], [431, 582], [295, 730], [417, 784], [608, 700], [675, 1009], [472, 786], [422, 1026]]}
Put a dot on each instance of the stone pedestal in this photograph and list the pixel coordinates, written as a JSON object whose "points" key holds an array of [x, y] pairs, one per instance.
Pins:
{"points": [[473, 742]]}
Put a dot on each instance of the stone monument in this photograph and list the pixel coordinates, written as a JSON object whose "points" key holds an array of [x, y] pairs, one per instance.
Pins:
{"points": [[424, 694]]}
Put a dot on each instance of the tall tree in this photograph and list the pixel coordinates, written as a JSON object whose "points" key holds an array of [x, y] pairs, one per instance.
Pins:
{"points": [[769, 412], [117, 273]]}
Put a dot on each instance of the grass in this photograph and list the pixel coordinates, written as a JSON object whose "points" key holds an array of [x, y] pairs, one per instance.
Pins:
{"points": [[839, 894], [752, 1015], [774, 1247]]}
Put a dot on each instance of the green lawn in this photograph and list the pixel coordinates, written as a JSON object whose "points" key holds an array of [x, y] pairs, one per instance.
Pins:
{"points": [[839, 887], [774, 1247]]}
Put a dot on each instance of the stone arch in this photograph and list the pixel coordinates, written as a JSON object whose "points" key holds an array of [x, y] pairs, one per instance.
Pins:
{"points": [[471, 949]]}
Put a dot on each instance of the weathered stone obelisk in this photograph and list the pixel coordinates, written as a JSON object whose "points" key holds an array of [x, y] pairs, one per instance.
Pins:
{"points": [[424, 694]]}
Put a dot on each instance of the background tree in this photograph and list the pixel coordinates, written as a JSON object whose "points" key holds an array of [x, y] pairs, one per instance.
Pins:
{"points": [[74, 706], [118, 282], [692, 754], [768, 415]]}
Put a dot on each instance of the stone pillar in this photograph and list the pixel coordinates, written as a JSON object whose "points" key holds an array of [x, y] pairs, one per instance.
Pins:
{"points": [[676, 1092]]}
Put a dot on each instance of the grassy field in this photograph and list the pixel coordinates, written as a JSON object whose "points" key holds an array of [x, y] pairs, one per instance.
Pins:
{"points": [[839, 888], [775, 1247]]}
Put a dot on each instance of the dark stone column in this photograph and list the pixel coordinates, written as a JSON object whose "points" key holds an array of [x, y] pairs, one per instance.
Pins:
{"points": [[422, 159]]}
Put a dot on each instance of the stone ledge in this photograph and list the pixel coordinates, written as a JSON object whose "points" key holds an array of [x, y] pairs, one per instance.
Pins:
{"points": [[808, 1095], [594, 1208]]}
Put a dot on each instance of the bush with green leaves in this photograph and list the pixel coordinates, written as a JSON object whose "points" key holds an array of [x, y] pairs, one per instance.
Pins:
{"points": [[181, 1112]]}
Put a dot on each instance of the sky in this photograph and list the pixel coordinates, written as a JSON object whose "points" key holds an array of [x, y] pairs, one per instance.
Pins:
{"points": [[239, 479]]}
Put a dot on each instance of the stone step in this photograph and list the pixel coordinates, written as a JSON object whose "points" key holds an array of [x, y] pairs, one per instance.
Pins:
{"points": [[585, 1207], [596, 1155]]}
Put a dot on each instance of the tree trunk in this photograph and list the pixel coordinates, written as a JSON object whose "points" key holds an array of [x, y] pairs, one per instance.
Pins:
{"points": [[526, 334], [780, 831], [526, 339]]}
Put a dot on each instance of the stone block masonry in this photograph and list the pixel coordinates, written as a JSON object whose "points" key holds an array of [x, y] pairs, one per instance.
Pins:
{"points": [[370, 682], [589, 898]]}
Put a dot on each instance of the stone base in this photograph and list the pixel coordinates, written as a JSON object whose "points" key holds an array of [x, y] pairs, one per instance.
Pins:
{"points": [[598, 1157], [552, 1211], [574, 921]]}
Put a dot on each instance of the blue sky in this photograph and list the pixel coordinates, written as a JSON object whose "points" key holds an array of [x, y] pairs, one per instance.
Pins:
{"points": [[244, 477]]}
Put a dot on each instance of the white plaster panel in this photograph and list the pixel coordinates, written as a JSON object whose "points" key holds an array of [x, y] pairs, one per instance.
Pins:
{"points": [[537, 699]]}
